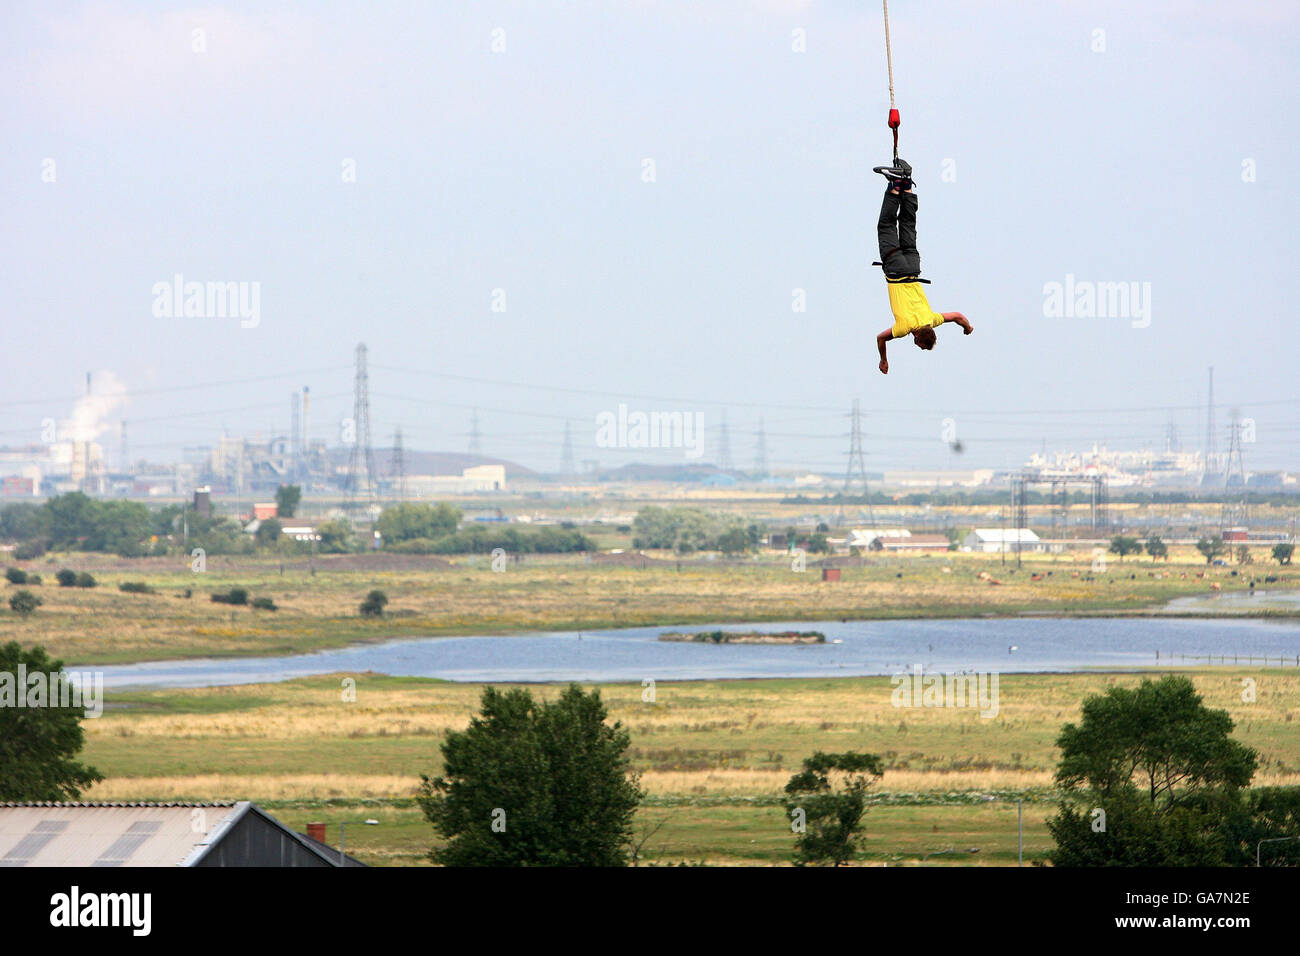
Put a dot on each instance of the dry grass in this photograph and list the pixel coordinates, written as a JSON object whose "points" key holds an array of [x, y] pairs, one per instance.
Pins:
{"points": [[103, 625], [710, 737], [319, 786]]}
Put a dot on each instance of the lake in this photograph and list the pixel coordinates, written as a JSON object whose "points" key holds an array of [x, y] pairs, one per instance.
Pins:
{"points": [[1008, 645]]}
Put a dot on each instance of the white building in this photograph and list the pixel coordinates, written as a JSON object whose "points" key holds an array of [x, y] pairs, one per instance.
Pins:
{"points": [[993, 540], [476, 479], [866, 538]]}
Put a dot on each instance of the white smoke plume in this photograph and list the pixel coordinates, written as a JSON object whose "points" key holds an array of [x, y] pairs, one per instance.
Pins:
{"points": [[92, 415]]}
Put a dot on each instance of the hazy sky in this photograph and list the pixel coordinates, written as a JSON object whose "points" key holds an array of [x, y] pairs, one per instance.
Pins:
{"points": [[1152, 142]]}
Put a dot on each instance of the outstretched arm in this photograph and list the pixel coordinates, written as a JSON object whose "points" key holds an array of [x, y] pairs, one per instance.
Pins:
{"points": [[881, 341], [959, 319]]}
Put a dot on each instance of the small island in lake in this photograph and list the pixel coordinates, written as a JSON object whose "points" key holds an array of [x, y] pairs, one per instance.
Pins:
{"points": [[747, 637]]}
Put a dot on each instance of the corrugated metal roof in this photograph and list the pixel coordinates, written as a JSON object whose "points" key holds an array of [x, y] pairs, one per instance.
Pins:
{"points": [[105, 834], [1008, 534], [122, 833], [111, 803]]}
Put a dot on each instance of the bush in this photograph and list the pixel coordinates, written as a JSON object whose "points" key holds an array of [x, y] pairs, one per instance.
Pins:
{"points": [[16, 575], [29, 550], [135, 587], [818, 544], [233, 596], [373, 605], [24, 602], [33, 579], [67, 578], [86, 580], [480, 540], [264, 604]]}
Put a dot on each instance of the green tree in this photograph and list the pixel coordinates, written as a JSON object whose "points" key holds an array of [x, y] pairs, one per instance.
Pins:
{"points": [[39, 744], [735, 541], [20, 521], [118, 526], [336, 537], [686, 530], [67, 519], [268, 532], [373, 605], [1282, 552], [534, 784], [24, 602], [828, 821], [818, 544], [66, 577], [1152, 777], [1124, 546], [1211, 548], [408, 520], [1157, 549], [286, 500]]}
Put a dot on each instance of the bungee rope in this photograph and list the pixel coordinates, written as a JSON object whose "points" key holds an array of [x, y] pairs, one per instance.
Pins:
{"points": [[894, 120]]}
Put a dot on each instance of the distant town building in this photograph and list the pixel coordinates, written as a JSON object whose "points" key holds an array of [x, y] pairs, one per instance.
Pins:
{"points": [[989, 540], [869, 538], [895, 540], [297, 528], [478, 478], [14, 486]]}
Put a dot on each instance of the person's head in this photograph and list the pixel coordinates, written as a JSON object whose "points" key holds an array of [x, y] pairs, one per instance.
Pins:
{"points": [[924, 339]]}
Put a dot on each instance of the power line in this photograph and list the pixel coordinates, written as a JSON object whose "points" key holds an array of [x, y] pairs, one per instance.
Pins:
{"points": [[857, 461], [138, 392], [679, 399], [362, 454], [399, 465], [724, 444], [475, 436], [568, 466]]}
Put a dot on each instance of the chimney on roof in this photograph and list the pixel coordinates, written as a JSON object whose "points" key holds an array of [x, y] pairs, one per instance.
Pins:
{"points": [[317, 832]]}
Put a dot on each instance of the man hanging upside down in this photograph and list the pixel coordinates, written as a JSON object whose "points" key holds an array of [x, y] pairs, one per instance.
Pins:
{"points": [[896, 232]]}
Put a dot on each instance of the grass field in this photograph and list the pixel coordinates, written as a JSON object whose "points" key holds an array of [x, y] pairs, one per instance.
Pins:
{"points": [[105, 626], [713, 756]]}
